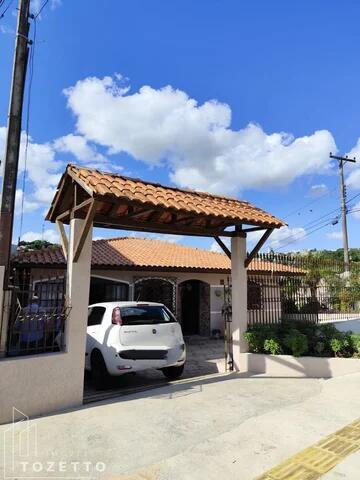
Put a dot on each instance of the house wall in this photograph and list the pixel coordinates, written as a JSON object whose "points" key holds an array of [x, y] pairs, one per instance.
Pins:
{"points": [[271, 303], [214, 280]]}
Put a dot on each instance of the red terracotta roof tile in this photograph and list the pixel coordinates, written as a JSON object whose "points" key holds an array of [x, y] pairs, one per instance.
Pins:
{"points": [[230, 210], [136, 253]]}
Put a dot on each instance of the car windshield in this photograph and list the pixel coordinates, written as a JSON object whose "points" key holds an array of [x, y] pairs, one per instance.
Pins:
{"points": [[146, 315]]}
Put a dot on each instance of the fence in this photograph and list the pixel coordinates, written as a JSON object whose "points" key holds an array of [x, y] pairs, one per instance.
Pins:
{"points": [[304, 287], [37, 315]]}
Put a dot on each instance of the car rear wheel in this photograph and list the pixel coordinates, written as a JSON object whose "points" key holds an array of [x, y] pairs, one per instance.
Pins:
{"points": [[99, 374], [172, 373]]}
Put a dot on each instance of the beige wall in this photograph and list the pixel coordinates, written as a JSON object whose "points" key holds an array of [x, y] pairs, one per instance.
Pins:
{"points": [[40, 384], [213, 279], [288, 366]]}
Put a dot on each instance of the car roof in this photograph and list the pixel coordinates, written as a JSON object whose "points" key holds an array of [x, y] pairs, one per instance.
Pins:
{"points": [[124, 304]]}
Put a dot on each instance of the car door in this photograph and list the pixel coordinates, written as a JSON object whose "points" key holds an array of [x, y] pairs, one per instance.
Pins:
{"points": [[94, 330]]}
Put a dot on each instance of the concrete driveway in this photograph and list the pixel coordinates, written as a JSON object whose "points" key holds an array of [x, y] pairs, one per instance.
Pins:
{"points": [[204, 356], [215, 427]]}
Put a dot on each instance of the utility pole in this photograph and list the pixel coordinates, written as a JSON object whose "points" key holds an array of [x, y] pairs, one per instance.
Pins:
{"points": [[12, 149], [341, 161]]}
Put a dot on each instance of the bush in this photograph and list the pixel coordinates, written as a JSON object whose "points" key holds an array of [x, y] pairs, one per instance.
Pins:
{"points": [[255, 340], [355, 340], [273, 346], [296, 342], [337, 346], [302, 338], [319, 348]]}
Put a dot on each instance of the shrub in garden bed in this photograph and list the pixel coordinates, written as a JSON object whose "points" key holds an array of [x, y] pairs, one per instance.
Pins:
{"points": [[300, 338]]}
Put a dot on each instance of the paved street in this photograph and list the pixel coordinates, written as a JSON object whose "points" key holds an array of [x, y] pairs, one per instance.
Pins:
{"points": [[219, 426]]}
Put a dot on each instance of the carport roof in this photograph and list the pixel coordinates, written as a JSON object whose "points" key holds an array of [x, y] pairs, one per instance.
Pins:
{"points": [[133, 204]]}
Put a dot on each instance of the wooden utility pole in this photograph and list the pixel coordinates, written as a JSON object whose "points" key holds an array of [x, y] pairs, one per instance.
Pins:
{"points": [[12, 149], [341, 161]]}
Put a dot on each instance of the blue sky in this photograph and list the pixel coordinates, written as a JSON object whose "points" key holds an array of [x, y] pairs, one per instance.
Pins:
{"points": [[259, 93]]}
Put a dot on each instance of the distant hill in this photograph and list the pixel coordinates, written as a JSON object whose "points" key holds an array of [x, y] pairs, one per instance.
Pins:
{"points": [[333, 254]]}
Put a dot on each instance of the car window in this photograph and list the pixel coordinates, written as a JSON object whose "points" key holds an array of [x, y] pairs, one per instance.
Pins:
{"points": [[146, 315], [95, 315]]}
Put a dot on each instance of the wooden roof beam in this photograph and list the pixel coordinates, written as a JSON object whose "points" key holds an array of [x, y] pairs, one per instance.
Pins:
{"points": [[258, 246]]}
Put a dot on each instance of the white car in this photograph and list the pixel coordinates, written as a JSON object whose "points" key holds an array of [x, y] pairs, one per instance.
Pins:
{"points": [[125, 337]]}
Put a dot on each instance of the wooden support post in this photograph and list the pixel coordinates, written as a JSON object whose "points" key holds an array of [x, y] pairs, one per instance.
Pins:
{"points": [[63, 238], [258, 246], [85, 230], [223, 246]]}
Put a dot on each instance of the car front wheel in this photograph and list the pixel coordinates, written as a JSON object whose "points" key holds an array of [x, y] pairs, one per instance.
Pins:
{"points": [[172, 373]]}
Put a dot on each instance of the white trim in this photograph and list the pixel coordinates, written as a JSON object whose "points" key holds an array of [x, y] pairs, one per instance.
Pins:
{"points": [[111, 279], [48, 279], [151, 277], [115, 280], [192, 279], [215, 311]]}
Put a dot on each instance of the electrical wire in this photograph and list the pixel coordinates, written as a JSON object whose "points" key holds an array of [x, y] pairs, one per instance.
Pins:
{"points": [[27, 128], [314, 223], [315, 200], [2, 15], [310, 225], [282, 245], [41, 9]]}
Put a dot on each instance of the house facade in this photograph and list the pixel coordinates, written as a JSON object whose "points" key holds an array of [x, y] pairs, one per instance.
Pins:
{"points": [[189, 281]]}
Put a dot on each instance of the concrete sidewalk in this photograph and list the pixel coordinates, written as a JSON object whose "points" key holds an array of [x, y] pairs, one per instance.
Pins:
{"points": [[223, 426]]}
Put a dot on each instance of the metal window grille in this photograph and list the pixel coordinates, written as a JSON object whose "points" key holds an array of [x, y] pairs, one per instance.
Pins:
{"points": [[37, 316]]}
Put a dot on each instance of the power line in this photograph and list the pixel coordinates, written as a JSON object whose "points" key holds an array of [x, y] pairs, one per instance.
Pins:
{"points": [[299, 209], [315, 223], [282, 245], [41, 9], [6, 8], [31, 75]]}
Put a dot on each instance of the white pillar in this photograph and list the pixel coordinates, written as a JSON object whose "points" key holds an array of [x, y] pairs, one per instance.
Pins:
{"points": [[3, 313], [77, 293], [239, 298]]}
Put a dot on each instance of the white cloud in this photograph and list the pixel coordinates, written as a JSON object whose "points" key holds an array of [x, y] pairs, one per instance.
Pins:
{"points": [[43, 171], [356, 211], [36, 5], [196, 142], [28, 206], [353, 169], [49, 235], [5, 29], [317, 191], [334, 235], [79, 147]]}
